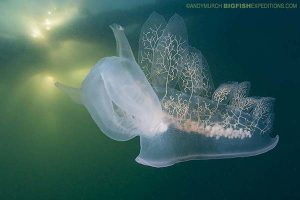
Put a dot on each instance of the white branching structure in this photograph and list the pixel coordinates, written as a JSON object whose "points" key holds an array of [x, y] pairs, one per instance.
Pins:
{"points": [[176, 106], [168, 57], [195, 78], [148, 40], [180, 75], [222, 93]]}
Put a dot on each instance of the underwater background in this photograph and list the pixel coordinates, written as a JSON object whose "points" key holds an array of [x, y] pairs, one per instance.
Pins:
{"points": [[50, 148]]}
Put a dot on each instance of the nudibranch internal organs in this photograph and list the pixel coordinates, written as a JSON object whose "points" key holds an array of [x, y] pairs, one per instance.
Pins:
{"points": [[168, 99]]}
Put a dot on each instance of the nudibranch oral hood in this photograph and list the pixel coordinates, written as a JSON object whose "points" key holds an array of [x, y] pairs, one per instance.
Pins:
{"points": [[168, 99]]}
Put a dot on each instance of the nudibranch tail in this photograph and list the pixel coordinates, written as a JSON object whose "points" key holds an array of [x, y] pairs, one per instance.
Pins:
{"points": [[176, 146]]}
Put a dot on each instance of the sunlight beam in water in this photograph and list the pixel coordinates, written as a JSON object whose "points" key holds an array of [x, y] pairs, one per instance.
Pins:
{"points": [[36, 33], [42, 85], [39, 26]]}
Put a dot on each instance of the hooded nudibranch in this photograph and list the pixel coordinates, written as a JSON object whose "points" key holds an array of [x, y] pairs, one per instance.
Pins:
{"points": [[168, 99]]}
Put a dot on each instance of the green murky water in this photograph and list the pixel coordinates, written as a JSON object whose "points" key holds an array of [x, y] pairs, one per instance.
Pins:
{"points": [[51, 149]]}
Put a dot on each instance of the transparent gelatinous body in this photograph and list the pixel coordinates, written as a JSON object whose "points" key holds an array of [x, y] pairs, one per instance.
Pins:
{"points": [[168, 99]]}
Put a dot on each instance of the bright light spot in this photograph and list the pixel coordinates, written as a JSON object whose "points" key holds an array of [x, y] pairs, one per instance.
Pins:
{"points": [[48, 24], [36, 33], [49, 21], [43, 85], [49, 80]]}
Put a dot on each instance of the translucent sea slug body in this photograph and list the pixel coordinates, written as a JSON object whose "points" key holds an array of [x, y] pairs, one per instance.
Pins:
{"points": [[168, 99]]}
